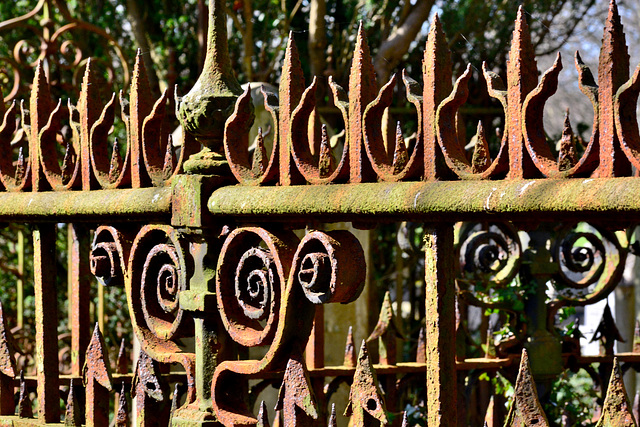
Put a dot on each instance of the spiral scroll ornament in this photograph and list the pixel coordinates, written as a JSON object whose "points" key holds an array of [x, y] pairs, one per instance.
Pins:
{"points": [[158, 273], [489, 253], [266, 288], [109, 252], [248, 289], [330, 267], [590, 263]]}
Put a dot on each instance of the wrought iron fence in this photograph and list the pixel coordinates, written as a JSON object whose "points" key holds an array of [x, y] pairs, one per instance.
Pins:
{"points": [[201, 233]]}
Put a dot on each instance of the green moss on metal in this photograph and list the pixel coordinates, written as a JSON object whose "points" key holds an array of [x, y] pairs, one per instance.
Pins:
{"points": [[544, 199]]}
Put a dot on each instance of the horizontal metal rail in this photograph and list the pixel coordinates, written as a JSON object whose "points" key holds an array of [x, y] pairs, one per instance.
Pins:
{"points": [[142, 204], [543, 199]]}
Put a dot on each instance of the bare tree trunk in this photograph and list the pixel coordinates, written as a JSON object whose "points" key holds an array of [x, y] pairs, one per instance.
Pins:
{"points": [[318, 42], [140, 33], [247, 41], [397, 44]]}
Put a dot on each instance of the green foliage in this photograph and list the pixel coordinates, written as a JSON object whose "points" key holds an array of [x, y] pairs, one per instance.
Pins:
{"points": [[573, 396]]}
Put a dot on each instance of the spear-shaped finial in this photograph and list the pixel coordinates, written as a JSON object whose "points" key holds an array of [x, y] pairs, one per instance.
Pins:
{"points": [[616, 410], [205, 109], [386, 330], [122, 416], [481, 159], [73, 414], [263, 416], [325, 161], [567, 153], [400, 155], [350, 350], [259, 162]]}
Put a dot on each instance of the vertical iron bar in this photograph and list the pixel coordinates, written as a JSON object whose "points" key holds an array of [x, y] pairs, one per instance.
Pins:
{"points": [[440, 314], [46, 302], [79, 296], [100, 308], [20, 282]]}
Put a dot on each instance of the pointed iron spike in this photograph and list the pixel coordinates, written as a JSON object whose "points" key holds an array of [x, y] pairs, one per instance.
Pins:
{"points": [[167, 168], [7, 350], [522, 78], [259, 162], [116, 161], [122, 362], [349, 350], [481, 159], [363, 89], [616, 410], [585, 77], [386, 331], [400, 155], [365, 395], [68, 163], [521, 48], [525, 408], [613, 72], [607, 331], [333, 421], [325, 163], [636, 338], [263, 416], [437, 76], [295, 398], [174, 403], [277, 419], [488, 416], [567, 153], [153, 384], [291, 88], [24, 403], [386, 320], [73, 414], [97, 364], [122, 416], [421, 353]]}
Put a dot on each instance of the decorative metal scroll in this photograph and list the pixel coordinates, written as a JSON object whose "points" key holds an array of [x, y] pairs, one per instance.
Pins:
{"points": [[234, 288], [61, 46]]}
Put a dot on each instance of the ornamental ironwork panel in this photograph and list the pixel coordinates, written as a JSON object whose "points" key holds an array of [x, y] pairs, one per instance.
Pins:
{"points": [[229, 252]]}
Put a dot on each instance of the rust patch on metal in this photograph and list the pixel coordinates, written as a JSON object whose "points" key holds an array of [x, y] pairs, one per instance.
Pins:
{"points": [[616, 410], [122, 414], [151, 391], [73, 413], [366, 405], [436, 74], [525, 408], [386, 332], [296, 400], [263, 416], [350, 350], [97, 379]]}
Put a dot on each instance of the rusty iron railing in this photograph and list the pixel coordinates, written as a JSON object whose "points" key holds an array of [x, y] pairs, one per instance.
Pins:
{"points": [[221, 250]]}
